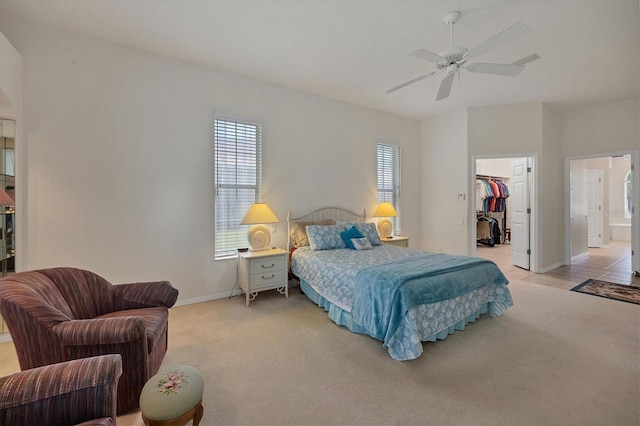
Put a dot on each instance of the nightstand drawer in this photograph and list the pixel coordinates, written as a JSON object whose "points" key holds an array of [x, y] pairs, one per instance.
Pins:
{"points": [[266, 279], [269, 264]]}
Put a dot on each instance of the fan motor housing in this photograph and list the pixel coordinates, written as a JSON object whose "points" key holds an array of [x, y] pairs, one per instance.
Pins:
{"points": [[453, 55]]}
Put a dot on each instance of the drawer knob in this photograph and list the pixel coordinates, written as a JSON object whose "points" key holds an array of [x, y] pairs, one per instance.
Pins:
{"points": [[267, 267], [268, 278]]}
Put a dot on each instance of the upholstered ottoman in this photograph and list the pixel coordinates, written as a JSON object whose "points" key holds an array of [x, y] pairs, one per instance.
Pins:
{"points": [[173, 397]]}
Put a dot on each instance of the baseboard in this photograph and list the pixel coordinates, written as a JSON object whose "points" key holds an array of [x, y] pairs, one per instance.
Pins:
{"points": [[550, 268], [207, 298], [578, 257]]}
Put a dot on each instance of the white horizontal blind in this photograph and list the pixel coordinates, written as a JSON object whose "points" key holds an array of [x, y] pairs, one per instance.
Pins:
{"points": [[238, 179], [388, 164]]}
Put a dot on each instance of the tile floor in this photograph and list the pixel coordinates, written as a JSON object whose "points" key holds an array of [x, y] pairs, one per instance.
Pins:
{"points": [[611, 264]]}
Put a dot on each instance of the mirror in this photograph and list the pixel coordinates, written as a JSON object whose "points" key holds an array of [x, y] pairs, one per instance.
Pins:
{"points": [[7, 196]]}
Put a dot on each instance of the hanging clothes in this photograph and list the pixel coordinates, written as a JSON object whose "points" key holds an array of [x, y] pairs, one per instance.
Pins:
{"points": [[491, 195]]}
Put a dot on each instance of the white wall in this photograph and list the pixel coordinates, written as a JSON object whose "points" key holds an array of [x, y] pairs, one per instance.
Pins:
{"points": [[445, 173], [551, 194], [607, 128], [120, 158], [578, 212], [11, 106]]}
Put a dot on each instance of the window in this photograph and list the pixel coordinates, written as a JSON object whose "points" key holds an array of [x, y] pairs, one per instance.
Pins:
{"points": [[389, 178], [238, 179], [627, 195]]}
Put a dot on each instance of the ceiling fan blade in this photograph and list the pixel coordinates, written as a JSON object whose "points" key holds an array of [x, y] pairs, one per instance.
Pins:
{"points": [[405, 84], [528, 59], [499, 39], [427, 56], [445, 87], [509, 70]]}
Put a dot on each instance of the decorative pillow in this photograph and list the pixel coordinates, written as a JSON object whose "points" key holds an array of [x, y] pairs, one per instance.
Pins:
{"points": [[325, 237], [349, 234], [369, 231], [361, 243], [298, 231]]}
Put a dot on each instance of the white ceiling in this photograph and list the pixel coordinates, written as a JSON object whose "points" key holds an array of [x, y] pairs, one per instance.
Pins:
{"points": [[354, 50]]}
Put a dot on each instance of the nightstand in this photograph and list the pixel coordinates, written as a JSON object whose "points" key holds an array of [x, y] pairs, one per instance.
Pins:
{"points": [[263, 270], [396, 241]]}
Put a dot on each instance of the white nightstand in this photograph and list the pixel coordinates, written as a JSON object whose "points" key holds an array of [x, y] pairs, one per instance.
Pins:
{"points": [[263, 270], [396, 241]]}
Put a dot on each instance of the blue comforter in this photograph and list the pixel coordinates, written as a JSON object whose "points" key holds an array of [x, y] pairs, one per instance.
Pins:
{"points": [[385, 293]]}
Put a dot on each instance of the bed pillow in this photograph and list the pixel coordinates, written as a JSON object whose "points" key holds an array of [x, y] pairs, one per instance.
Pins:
{"points": [[349, 234], [368, 230], [361, 244], [325, 237], [298, 231]]}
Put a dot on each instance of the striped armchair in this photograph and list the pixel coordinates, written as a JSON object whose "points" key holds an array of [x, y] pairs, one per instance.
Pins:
{"points": [[82, 391], [61, 314]]}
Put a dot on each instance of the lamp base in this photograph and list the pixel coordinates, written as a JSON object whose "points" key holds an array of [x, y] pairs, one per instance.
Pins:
{"points": [[385, 227], [259, 238]]}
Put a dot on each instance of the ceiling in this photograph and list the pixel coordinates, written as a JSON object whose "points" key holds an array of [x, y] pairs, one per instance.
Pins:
{"points": [[354, 50]]}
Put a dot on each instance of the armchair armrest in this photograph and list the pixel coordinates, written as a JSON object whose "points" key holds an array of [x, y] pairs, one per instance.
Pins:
{"points": [[70, 392], [144, 295], [100, 331]]}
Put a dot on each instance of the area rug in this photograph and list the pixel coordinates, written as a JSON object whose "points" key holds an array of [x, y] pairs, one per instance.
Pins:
{"points": [[625, 293]]}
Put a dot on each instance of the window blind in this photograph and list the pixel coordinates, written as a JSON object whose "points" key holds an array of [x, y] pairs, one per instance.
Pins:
{"points": [[388, 165], [238, 180]]}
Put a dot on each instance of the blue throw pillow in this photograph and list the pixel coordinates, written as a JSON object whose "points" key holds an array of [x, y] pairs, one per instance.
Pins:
{"points": [[350, 233], [325, 237]]}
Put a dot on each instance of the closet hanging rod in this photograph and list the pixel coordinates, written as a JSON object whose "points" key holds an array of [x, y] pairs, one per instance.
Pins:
{"points": [[487, 177]]}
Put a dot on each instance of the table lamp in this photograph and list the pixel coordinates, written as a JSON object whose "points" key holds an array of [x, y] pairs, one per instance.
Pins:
{"points": [[384, 211], [259, 235]]}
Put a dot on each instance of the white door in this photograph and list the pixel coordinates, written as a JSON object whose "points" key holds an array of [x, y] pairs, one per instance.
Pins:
{"points": [[519, 204], [594, 208]]}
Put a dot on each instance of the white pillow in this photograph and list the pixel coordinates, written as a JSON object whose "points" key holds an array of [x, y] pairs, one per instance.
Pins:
{"points": [[361, 243]]}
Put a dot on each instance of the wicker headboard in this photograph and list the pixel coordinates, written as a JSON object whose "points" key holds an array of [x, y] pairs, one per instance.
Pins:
{"points": [[335, 213]]}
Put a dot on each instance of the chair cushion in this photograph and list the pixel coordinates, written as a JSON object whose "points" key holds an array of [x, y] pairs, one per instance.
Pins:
{"points": [[155, 322]]}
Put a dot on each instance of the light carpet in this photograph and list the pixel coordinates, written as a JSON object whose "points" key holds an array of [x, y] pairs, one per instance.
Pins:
{"points": [[555, 358]]}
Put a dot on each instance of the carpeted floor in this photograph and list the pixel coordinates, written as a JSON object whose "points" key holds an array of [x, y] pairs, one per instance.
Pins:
{"points": [[609, 290], [555, 358]]}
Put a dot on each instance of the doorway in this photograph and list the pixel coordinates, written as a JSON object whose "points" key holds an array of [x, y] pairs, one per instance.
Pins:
{"points": [[603, 192], [510, 216]]}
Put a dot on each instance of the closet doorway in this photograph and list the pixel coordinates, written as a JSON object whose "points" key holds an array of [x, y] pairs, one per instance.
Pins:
{"points": [[502, 202]]}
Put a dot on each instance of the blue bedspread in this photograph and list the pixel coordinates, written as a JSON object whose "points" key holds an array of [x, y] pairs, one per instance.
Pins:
{"points": [[385, 293]]}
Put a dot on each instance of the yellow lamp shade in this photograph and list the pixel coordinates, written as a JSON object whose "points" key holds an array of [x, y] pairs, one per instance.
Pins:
{"points": [[259, 213], [385, 209]]}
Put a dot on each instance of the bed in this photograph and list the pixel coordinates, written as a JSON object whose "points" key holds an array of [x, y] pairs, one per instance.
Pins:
{"points": [[400, 296]]}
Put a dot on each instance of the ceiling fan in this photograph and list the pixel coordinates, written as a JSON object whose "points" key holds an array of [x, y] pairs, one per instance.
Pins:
{"points": [[455, 58]]}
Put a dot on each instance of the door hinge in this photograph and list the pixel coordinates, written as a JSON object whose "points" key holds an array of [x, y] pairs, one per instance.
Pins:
{"points": [[529, 169], [599, 207], [528, 251], [632, 166], [528, 210]]}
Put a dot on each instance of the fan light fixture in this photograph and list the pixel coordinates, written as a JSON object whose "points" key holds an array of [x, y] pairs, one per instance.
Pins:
{"points": [[455, 58], [384, 211], [259, 235]]}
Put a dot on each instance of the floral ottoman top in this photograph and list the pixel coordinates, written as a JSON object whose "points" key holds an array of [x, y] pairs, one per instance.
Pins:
{"points": [[172, 382]]}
